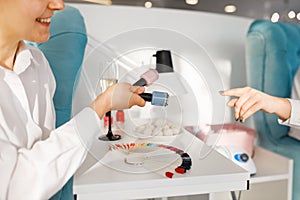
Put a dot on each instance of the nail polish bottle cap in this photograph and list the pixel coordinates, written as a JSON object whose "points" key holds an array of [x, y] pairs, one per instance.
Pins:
{"points": [[120, 116]]}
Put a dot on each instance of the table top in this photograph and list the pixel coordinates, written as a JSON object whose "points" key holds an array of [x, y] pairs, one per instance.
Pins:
{"points": [[210, 172]]}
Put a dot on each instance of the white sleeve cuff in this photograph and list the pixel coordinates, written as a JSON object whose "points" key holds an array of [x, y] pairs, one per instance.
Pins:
{"points": [[87, 124], [294, 120]]}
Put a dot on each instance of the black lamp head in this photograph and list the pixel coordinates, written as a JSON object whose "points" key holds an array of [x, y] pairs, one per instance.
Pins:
{"points": [[164, 61]]}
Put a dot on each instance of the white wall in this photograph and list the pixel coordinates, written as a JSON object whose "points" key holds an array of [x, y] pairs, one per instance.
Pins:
{"points": [[207, 51]]}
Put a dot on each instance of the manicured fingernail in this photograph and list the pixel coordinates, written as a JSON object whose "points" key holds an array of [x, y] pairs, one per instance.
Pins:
{"points": [[241, 119], [221, 92], [236, 119]]}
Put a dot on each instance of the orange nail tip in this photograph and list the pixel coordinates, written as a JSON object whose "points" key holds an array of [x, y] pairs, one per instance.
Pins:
{"points": [[180, 170], [169, 174]]}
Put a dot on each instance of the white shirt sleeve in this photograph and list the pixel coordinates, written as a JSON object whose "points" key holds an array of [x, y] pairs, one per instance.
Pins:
{"points": [[294, 120], [36, 160], [34, 173]]}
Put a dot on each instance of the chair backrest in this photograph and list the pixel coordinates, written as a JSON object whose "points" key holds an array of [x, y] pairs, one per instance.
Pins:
{"points": [[272, 59], [64, 52]]}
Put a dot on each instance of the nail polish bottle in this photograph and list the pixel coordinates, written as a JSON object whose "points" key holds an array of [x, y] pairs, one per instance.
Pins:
{"points": [[120, 120], [106, 119]]}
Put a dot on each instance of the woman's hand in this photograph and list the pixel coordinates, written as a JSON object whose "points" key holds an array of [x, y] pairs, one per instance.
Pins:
{"points": [[118, 97], [250, 101]]}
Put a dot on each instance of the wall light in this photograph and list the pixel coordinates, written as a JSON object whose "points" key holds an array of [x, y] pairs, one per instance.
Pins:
{"points": [[148, 4], [230, 8], [292, 14], [275, 17], [191, 2], [298, 16]]}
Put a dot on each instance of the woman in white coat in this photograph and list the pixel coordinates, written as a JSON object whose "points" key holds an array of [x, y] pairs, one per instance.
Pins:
{"points": [[36, 159]]}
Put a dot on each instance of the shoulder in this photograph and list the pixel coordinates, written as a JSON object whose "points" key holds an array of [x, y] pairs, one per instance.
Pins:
{"points": [[41, 65], [37, 57]]}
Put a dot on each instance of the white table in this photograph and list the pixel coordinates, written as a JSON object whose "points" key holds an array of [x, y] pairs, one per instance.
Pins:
{"points": [[211, 172], [273, 180]]}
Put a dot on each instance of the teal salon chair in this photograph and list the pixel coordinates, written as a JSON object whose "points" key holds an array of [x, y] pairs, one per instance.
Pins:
{"points": [[272, 60], [64, 52]]}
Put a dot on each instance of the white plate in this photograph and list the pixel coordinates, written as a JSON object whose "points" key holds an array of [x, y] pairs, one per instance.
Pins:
{"points": [[132, 129]]}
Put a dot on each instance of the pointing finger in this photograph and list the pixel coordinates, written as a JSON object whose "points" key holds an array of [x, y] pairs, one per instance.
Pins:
{"points": [[235, 92]]}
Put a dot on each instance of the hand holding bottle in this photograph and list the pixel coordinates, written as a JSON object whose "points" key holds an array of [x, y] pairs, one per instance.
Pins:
{"points": [[118, 97]]}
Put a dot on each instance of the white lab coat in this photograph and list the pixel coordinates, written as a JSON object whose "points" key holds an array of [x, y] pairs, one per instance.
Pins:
{"points": [[36, 160]]}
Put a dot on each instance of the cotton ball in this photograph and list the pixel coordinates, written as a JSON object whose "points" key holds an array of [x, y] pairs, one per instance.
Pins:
{"points": [[170, 124], [165, 127], [159, 122], [157, 131], [168, 132], [175, 131], [176, 128]]}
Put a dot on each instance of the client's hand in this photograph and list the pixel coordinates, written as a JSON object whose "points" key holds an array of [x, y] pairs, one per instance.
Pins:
{"points": [[250, 101], [117, 97]]}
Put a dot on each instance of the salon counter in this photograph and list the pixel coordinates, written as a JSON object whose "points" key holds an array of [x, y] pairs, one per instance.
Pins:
{"points": [[210, 172]]}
